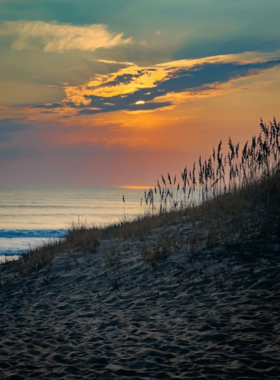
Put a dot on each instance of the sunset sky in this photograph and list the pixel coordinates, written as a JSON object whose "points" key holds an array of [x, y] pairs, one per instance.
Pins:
{"points": [[117, 92]]}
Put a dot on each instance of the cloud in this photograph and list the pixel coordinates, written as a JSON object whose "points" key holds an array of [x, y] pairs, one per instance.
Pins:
{"points": [[125, 107], [52, 106], [55, 37], [202, 76], [152, 88], [8, 127], [110, 62]]}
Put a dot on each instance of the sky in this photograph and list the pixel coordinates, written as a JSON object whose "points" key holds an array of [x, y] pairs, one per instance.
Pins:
{"points": [[118, 92]]}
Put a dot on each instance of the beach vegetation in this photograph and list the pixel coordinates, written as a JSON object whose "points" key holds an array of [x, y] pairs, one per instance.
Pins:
{"points": [[112, 256], [159, 249]]}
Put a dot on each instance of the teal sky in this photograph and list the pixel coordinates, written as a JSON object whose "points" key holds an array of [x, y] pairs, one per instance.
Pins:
{"points": [[109, 74], [189, 28]]}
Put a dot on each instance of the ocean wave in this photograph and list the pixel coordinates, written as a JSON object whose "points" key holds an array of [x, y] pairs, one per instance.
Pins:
{"points": [[46, 234], [11, 252]]}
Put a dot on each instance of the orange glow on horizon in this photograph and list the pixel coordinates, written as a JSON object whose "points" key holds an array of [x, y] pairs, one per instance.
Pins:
{"points": [[136, 187]]}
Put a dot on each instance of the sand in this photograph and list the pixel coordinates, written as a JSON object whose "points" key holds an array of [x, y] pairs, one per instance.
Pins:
{"points": [[209, 314]]}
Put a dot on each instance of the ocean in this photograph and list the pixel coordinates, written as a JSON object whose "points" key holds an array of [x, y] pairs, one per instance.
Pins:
{"points": [[30, 217]]}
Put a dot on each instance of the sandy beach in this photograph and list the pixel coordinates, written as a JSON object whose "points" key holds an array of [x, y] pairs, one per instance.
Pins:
{"points": [[107, 313]]}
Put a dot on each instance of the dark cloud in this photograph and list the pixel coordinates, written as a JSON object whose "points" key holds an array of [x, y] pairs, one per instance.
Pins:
{"points": [[131, 107], [8, 127], [125, 78], [204, 75], [197, 78], [48, 106]]}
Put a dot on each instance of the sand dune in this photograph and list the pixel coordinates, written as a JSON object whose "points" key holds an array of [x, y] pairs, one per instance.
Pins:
{"points": [[209, 315]]}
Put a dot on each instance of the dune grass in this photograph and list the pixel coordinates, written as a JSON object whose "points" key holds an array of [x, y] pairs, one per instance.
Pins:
{"points": [[222, 173], [232, 192]]}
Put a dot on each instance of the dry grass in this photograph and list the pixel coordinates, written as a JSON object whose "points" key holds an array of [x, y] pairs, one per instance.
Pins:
{"points": [[140, 226], [112, 256], [257, 203], [77, 237], [82, 236], [160, 249]]}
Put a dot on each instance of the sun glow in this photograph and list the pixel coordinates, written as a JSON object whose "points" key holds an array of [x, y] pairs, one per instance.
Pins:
{"points": [[140, 102], [136, 187]]}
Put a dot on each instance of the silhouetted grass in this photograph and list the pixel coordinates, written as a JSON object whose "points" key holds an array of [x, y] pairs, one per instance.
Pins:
{"points": [[222, 173]]}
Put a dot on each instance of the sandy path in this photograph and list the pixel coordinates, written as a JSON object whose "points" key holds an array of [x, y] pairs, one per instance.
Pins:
{"points": [[215, 316]]}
